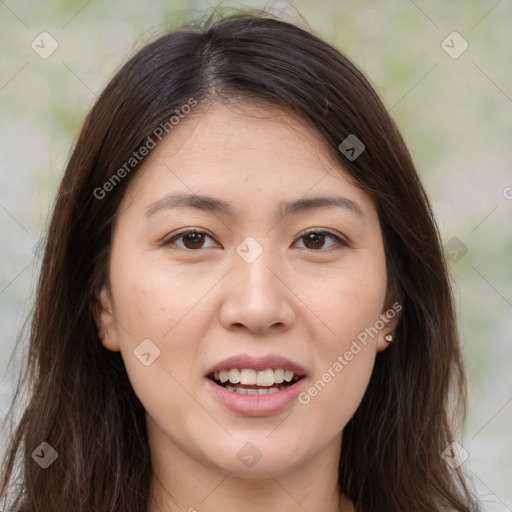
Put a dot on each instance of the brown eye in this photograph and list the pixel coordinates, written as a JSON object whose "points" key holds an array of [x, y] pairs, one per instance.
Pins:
{"points": [[314, 240], [192, 239]]}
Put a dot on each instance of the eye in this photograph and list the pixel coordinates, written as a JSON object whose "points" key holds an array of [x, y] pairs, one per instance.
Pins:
{"points": [[315, 239], [192, 239]]}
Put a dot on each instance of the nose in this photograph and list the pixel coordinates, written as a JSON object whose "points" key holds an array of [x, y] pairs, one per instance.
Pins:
{"points": [[256, 296]]}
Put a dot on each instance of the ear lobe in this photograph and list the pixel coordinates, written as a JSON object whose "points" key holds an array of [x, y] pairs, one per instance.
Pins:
{"points": [[101, 308], [390, 316]]}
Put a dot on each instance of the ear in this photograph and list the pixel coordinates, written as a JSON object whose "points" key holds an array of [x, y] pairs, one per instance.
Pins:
{"points": [[104, 318], [390, 317]]}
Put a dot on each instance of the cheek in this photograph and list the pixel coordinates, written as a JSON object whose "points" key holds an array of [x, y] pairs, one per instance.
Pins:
{"points": [[174, 324], [152, 296], [332, 398], [347, 299], [153, 315], [349, 302], [343, 367]]}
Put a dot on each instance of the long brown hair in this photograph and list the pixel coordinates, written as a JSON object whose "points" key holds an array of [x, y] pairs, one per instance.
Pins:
{"points": [[81, 401]]}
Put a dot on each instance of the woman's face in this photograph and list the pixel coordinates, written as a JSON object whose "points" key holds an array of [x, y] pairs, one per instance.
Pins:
{"points": [[249, 295]]}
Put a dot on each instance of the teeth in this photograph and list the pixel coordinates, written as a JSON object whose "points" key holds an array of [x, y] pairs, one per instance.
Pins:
{"points": [[245, 391], [234, 376], [265, 378], [268, 391], [248, 376], [278, 375], [288, 375], [251, 377]]}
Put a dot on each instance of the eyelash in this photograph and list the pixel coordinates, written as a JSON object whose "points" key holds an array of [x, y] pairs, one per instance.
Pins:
{"points": [[341, 243]]}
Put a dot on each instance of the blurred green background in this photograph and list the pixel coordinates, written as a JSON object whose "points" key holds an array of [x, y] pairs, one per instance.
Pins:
{"points": [[455, 112]]}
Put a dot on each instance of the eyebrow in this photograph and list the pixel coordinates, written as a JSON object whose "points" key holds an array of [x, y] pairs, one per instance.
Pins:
{"points": [[284, 208]]}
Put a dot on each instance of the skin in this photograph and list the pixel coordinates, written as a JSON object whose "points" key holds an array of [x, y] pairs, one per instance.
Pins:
{"points": [[200, 304]]}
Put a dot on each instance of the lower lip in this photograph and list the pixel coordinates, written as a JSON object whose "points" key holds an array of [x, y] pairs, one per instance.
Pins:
{"points": [[256, 405]]}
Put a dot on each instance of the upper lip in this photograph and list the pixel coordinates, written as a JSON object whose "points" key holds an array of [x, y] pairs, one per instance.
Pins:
{"points": [[257, 363]]}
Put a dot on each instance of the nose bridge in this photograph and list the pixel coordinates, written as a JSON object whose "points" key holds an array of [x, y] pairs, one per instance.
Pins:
{"points": [[252, 262], [256, 297]]}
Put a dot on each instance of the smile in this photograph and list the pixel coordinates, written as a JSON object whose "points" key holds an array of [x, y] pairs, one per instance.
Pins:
{"points": [[247, 381]]}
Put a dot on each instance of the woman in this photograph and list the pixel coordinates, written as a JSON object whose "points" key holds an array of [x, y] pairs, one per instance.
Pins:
{"points": [[243, 301]]}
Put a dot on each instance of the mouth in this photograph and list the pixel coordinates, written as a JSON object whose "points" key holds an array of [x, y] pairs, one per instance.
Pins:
{"points": [[248, 381]]}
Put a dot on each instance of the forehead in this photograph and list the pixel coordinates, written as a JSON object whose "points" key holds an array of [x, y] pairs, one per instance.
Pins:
{"points": [[241, 151]]}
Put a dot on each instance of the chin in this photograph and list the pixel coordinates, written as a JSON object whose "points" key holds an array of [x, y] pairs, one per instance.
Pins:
{"points": [[254, 460]]}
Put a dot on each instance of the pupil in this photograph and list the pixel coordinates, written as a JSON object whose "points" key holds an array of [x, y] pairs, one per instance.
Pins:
{"points": [[194, 238], [314, 238]]}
